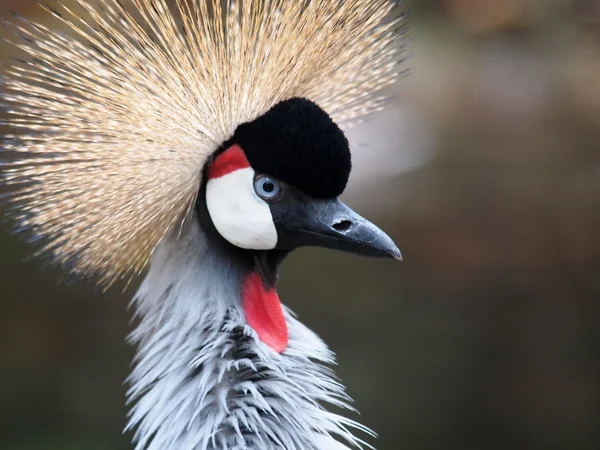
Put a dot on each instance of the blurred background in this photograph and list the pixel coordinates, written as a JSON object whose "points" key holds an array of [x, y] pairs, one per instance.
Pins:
{"points": [[486, 172]]}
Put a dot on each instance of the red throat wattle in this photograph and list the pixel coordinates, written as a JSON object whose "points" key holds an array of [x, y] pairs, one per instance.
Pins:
{"points": [[264, 313]]}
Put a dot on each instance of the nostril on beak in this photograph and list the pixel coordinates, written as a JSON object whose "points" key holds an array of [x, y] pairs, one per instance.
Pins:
{"points": [[342, 225]]}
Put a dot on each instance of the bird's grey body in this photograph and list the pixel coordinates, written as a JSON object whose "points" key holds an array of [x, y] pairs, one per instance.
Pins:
{"points": [[203, 380]]}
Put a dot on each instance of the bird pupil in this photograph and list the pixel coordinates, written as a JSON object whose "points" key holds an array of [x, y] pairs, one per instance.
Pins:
{"points": [[268, 186]]}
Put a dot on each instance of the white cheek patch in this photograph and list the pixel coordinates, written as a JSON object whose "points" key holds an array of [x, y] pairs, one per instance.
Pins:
{"points": [[239, 215]]}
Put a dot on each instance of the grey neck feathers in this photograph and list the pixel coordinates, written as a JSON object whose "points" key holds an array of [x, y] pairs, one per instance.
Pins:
{"points": [[203, 381]]}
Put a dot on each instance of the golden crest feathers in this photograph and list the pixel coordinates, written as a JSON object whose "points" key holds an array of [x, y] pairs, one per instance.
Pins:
{"points": [[114, 121]]}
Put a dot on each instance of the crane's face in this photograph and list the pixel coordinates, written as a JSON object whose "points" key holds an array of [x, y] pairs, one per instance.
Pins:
{"points": [[275, 186]]}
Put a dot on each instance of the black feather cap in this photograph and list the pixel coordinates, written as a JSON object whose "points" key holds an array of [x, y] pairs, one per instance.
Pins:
{"points": [[297, 142]]}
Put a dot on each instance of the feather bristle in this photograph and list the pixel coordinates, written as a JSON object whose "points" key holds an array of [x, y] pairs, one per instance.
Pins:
{"points": [[115, 116]]}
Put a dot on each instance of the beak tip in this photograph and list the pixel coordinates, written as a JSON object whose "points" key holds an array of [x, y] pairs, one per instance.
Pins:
{"points": [[396, 254]]}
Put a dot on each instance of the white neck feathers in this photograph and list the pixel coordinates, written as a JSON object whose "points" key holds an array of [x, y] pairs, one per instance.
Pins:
{"points": [[202, 380]]}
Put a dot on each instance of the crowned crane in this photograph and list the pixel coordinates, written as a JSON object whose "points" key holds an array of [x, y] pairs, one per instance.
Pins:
{"points": [[201, 141]]}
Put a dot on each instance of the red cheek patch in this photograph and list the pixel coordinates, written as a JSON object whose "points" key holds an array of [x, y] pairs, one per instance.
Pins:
{"points": [[264, 313], [229, 161]]}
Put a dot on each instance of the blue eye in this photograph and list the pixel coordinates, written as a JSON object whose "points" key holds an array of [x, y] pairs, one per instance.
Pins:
{"points": [[266, 187]]}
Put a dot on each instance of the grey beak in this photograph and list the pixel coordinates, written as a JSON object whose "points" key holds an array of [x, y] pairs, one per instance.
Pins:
{"points": [[332, 224]]}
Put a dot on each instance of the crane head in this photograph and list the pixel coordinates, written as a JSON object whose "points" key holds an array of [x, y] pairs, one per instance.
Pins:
{"points": [[275, 185], [110, 142]]}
